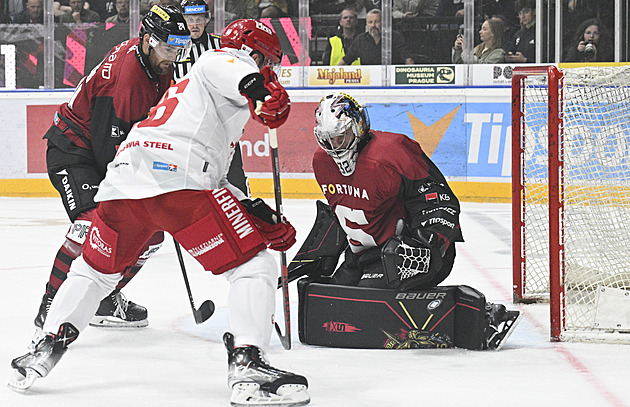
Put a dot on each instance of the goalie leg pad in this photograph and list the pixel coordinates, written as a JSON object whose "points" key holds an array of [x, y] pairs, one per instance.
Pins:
{"points": [[366, 318], [321, 249]]}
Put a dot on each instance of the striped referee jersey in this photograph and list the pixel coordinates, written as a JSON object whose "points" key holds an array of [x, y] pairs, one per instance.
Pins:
{"points": [[199, 46]]}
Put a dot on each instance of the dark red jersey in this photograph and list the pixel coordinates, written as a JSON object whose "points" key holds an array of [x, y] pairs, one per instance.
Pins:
{"points": [[393, 179], [107, 102]]}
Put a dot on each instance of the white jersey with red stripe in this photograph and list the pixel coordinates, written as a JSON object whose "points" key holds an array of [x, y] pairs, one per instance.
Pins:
{"points": [[188, 140]]}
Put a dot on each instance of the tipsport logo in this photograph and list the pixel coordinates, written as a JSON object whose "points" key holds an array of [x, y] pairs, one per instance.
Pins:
{"points": [[157, 165]]}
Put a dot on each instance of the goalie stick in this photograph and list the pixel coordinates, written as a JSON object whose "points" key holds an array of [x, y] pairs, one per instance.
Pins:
{"points": [[284, 276], [206, 309]]}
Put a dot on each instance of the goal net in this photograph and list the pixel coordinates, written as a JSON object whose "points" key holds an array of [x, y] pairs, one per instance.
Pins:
{"points": [[571, 198]]}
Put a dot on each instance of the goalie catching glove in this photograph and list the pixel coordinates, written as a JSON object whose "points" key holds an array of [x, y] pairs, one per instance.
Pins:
{"points": [[279, 234], [268, 101], [411, 262]]}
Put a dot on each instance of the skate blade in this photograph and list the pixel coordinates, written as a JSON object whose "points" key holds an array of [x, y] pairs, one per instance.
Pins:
{"points": [[115, 322], [21, 383], [249, 394], [509, 332], [37, 336]]}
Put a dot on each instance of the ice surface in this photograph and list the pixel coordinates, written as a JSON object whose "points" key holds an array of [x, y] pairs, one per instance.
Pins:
{"points": [[173, 362]]}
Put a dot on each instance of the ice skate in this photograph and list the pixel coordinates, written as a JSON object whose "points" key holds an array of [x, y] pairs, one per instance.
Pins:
{"points": [[115, 311], [40, 361], [500, 324], [44, 307], [254, 382]]}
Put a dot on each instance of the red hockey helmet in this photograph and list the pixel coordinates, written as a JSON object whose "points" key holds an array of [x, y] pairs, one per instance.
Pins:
{"points": [[252, 35]]}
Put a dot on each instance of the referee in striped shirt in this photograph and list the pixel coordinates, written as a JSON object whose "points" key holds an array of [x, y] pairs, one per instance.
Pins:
{"points": [[197, 17]]}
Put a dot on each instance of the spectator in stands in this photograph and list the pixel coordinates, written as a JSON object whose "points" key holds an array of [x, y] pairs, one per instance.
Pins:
{"points": [[79, 14], [9, 9], [451, 8], [122, 6], [508, 30], [331, 6], [360, 6], [104, 8], [338, 44], [5, 16], [367, 46], [237, 9], [32, 14], [522, 48], [272, 8], [590, 44], [489, 51], [414, 8], [60, 8], [575, 12]]}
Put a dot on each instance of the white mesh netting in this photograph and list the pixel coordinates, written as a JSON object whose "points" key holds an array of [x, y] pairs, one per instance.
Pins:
{"points": [[595, 149], [415, 260]]}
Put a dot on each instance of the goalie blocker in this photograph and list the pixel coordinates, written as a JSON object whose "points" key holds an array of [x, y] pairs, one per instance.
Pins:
{"points": [[356, 317]]}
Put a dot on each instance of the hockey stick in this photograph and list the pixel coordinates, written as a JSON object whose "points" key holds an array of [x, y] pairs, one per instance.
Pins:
{"points": [[284, 277], [206, 309]]}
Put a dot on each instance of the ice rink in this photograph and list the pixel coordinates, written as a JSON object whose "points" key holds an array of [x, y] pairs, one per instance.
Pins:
{"points": [[173, 362]]}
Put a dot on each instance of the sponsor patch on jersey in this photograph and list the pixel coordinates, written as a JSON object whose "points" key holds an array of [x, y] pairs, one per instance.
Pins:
{"points": [[79, 231], [432, 197], [158, 165], [97, 243]]}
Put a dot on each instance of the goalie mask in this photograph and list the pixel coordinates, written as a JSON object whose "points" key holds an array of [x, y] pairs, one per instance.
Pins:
{"points": [[169, 34], [340, 124]]}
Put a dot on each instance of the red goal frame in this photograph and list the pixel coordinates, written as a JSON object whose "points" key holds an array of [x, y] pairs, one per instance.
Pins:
{"points": [[555, 164]]}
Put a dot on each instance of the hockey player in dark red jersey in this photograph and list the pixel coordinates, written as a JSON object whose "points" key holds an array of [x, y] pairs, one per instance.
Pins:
{"points": [[401, 220], [86, 133]]}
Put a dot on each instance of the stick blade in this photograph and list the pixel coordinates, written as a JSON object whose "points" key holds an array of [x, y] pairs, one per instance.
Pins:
{"points": [[285, 340], [204, 312]]}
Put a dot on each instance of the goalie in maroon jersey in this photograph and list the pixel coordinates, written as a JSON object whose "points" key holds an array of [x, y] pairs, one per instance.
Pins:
{"points": [[401, 221]]}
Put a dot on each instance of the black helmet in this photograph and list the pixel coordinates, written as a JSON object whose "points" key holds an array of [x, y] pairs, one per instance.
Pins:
{"points": [[194, 7], [167, 24]]}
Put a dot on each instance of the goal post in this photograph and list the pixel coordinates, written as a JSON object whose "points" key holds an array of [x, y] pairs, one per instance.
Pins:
{"points": [[571, 198]]}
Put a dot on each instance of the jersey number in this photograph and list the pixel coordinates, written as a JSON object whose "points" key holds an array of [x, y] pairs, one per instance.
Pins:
{"points": [[166, 106], [356, 216]]}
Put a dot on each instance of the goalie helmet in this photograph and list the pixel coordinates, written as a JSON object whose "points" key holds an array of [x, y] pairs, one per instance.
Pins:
{"points": [[169, 34], [340, 124], [252, 35]]}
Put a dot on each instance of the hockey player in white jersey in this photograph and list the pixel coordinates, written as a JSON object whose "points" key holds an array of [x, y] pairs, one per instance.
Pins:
{"points": [[170, 175]]}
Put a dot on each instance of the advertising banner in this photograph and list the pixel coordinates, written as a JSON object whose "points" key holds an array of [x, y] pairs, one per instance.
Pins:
{"points": [[464, 140]]}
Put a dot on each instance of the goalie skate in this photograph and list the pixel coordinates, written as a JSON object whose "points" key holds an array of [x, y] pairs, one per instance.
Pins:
{"points": [[500, 323], [255, 382], [115, 311], [41, 360]]}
